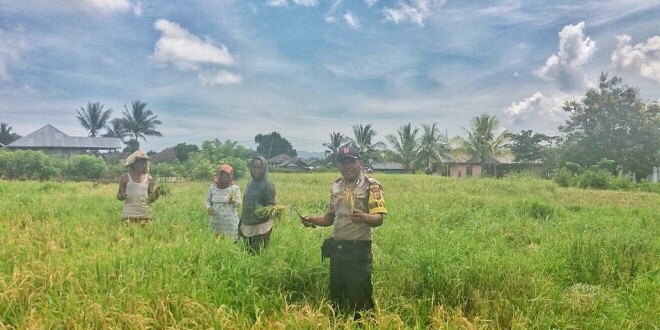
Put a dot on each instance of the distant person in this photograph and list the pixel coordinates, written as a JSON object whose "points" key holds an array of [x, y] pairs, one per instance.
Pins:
{"points": [[222, 203], [356, 206], [255, 227], [136, 188]]}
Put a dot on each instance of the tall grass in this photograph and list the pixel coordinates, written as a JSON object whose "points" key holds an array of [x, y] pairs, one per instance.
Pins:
{"points": [[452, 254]]}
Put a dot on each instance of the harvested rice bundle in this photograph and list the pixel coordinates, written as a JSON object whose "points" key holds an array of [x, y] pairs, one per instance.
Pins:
{"points": [[275, 212], [161, 190]]}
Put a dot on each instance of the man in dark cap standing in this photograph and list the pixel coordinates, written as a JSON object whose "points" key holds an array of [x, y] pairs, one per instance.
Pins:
{"points": [[356, 207]]}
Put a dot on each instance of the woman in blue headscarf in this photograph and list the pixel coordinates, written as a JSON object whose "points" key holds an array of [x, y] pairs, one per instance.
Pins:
{"points": [[256, 227]]}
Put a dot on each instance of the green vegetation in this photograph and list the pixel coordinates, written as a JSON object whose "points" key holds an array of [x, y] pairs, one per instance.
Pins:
{"points": [[475, 253]]}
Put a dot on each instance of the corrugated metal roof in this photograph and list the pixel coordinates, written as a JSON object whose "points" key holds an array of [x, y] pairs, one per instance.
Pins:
{"points": [[51, 137]]}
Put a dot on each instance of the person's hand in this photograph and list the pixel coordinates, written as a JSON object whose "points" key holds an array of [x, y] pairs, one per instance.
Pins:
{"points": [[358, 216], [121, 196], [305, 220], [211, 211]]}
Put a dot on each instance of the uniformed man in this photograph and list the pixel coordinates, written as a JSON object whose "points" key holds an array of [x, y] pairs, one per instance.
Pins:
{"points": [[356, 206]]}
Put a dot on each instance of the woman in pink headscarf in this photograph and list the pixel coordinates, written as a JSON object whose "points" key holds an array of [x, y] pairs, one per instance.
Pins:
{"points": [[222, 203]]}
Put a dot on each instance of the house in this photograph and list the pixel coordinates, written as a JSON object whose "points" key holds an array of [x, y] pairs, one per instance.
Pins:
{"points": [[285, 161], [462, 166], [167, 155], [54, 142], [389, 168]]}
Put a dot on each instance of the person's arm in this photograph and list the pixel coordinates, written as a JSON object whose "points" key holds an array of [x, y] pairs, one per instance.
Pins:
{"points": [[319, 220], [371, 220], [121, 193], [237, 197], [209, 201], [151, 195]]}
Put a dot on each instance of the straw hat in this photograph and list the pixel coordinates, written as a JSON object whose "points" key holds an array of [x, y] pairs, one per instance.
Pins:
{"points": [[139, 154]]}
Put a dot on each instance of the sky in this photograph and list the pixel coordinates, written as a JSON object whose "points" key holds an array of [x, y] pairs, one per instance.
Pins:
{"points": [[307, 68]]}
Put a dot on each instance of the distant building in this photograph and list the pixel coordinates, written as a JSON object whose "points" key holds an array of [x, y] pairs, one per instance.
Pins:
{"points": [[54, 142], [285, 161], [389, 168], [165, 156]]}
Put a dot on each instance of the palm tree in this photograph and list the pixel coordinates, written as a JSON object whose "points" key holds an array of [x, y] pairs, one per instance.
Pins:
{"points": [[433, 147], [117, 129], [481, 144], [405, 146], [140, 122], [6, 135], [362, 140], [336, 141], [93, 118]]}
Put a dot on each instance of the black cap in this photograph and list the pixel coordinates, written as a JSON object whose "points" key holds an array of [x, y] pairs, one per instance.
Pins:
{"points": [[348, 151]]}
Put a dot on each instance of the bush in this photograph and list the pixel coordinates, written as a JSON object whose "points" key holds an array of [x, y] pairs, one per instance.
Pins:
{"points": [[29, 165], [563, 177], [621, 183], [594, 178], [86, 167]]}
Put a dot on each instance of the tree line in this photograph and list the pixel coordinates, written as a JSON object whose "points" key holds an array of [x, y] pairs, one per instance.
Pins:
{"points": [[610, 125]]}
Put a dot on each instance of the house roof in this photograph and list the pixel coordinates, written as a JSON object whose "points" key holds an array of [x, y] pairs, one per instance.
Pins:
{"points": [[279, 159], [166, 155], [51, 137], [387, 166]]}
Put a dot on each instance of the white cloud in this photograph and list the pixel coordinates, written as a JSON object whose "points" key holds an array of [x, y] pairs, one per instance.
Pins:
{"points": [[220, 77], [537, 108], [565, 67], [370, 2], [185, 50], [283, 3], [642, 58], [101, 6], [351, 20], [11, 47], [415, 11]]}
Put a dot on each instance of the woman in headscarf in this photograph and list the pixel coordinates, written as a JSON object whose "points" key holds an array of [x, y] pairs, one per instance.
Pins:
{"points": [[135, 188], [222, 203], [255, 227]]}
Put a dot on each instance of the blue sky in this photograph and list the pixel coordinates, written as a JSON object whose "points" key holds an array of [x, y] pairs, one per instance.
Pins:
{"points": [[307, 68]]}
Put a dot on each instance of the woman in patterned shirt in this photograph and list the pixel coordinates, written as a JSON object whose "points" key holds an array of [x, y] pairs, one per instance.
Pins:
{"points": [[222, 203]]}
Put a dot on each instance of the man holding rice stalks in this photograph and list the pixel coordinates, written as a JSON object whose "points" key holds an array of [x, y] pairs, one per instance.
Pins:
{"points": [[356, 207], [137, 189]]}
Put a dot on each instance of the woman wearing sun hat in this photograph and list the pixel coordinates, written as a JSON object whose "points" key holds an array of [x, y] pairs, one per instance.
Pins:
{"points": [[135, 188]]}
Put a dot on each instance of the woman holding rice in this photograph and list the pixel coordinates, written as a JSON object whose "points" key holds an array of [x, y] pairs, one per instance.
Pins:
{"points": [[256, 227], [222, 203]]}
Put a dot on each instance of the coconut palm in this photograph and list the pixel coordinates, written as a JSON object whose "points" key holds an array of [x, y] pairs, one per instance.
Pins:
{"points": [[6, 135], [93, 118], [363, 141], [116, 129], [481, 144], [433, 147], [404, 146], [336, 141], [140, 122]]}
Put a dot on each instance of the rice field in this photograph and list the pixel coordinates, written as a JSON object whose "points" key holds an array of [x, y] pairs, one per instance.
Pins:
{"points": [[515, 253]]}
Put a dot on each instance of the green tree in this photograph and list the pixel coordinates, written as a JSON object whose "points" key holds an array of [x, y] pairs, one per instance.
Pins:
{"points": [[612, 122], [336, 141], [481, 145], [140, 122], [404, 146], [433, 147], [528, 146], [183, 150], [273, 144], [93, 118], [6, 135], [117, 129], [363, 136]]}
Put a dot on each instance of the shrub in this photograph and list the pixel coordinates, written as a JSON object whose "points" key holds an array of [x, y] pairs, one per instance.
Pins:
{"points": [[621, 183], [86, 167], [29, 165], [563, 177], [594, 178]]}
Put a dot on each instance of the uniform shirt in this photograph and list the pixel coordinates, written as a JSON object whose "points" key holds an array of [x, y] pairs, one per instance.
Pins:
{"points": [[135, 205], [366, 195]]}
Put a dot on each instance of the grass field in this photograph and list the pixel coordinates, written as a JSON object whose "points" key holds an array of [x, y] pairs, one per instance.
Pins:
{"points": [[452, 254]]}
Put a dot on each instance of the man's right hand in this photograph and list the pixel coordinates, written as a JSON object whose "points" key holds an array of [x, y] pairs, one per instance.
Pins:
{"points": [[210, 211]]}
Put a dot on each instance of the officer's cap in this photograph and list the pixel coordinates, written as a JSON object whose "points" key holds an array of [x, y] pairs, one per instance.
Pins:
{"points": [[348, 151]]}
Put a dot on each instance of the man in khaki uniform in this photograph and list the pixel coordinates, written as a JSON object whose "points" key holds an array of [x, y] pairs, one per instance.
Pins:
{"points": [[356, 207]]}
